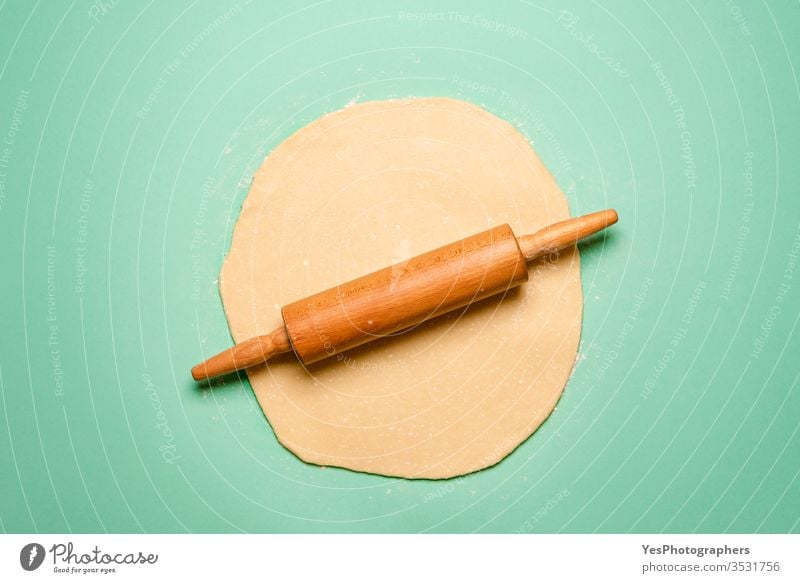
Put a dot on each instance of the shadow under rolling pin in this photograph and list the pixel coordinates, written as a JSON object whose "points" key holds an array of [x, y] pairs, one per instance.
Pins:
{"points": [[398, 297]]}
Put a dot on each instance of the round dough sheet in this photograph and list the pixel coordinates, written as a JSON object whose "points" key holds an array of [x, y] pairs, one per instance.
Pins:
{"points": [[373, 185]]}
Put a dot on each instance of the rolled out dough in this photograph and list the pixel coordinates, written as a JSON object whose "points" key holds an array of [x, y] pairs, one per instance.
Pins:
{"points": [[372, 185]]}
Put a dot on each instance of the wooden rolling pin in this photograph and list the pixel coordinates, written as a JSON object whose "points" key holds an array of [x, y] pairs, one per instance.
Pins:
{"points": [[403, 295]]}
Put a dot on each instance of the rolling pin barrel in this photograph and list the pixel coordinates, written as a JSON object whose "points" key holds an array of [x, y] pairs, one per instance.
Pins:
{"points": [[401, 296]]}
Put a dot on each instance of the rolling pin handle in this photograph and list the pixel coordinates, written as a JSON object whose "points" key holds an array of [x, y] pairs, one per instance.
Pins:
{"points": [[560, 235], [248, 353]]}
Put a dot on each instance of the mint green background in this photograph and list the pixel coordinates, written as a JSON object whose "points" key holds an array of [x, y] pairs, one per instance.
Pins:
{"points": [[712, 446]]}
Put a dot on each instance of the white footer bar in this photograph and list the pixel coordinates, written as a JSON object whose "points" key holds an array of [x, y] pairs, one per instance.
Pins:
{"points": [[390, 558]]}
